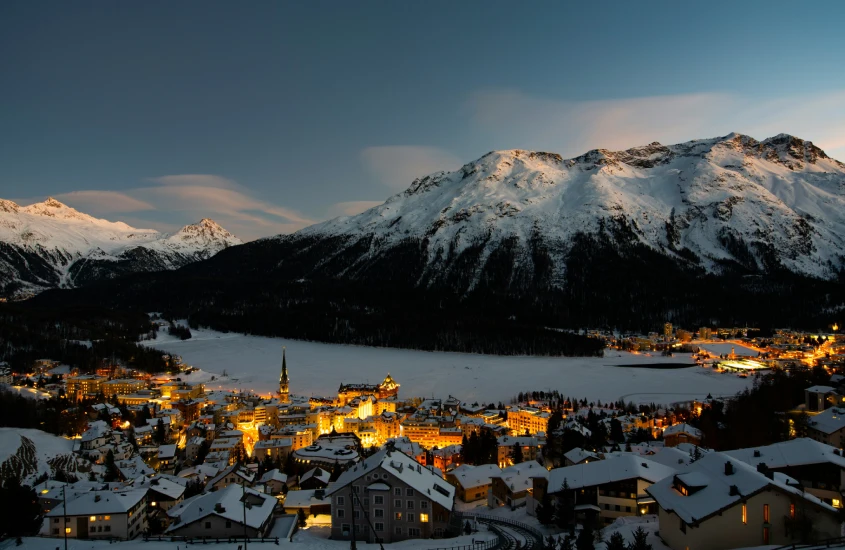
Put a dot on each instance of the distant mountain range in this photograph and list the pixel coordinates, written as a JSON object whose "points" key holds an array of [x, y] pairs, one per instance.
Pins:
{"points": [[730, 203], [719, 231], [51, 245]]}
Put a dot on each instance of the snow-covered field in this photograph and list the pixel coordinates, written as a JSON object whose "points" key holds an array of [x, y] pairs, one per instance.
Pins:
{"points": [[254, 363], [47, 447], [726, 348]]}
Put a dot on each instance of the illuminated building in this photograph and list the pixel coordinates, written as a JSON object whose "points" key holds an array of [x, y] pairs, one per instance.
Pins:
{"points": [[122, 386], [284, 382], [84, 385], [527, 419]]}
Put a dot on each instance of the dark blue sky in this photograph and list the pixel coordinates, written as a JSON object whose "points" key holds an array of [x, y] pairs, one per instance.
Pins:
{"points": [[270, 115]]}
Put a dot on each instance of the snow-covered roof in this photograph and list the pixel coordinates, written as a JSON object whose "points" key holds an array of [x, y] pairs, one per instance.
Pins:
{"points": [[226, 503], [522, 441], [95, 430], [683, 427], [133, 467], [470, 476], [820, 389], [274, 475], [710, 487], [397, 463], [609, 470], [93, 503], [161, 485], [519, 476], [166, 451], [796, 452], [303, 499], [828, 421], [577, 455], [317, 473]]}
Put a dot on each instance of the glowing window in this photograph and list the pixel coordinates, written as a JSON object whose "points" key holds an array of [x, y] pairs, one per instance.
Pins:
{"points": [[744, 514], [93, 518], [766, 513], [424, 518], [67, 530]]}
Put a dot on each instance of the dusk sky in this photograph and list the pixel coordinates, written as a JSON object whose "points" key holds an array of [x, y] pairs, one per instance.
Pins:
{"points": [[270, 116]]}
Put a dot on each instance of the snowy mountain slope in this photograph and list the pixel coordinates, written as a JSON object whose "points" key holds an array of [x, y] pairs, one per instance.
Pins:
{"points": [[50, 244], [25, 454], [728, 201]]}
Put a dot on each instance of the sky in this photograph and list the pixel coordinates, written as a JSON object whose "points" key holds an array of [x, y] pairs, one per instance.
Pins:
{"points": [[269, 116]]}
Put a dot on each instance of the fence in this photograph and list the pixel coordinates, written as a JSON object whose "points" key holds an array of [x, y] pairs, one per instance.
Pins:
{"points": [[838, 541], [210, 540]]}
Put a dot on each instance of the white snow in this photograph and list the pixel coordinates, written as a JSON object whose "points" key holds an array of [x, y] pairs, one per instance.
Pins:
{"points": [[254, 363], [63, 236], [778, 192], [47, 446]]}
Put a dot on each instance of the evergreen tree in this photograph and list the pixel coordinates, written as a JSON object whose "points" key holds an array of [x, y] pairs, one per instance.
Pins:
{"points": [[640, 541], [301, 520], [616, 542], [160, 436], [20, 513], [545, 511], [112, 473], [616, 433], [517, 455], [585, 537]]}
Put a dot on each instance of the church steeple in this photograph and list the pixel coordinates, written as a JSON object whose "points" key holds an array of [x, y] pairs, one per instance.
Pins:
{"points": [[283, 379]]}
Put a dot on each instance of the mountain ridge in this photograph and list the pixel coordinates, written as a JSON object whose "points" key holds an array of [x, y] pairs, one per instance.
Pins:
{"points": [[728, 231], [782, 193], [49, 244]]}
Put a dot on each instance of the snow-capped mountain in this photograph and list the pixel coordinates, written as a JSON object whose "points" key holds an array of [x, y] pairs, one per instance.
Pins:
{"points": [[49, 244], [728, 203]]}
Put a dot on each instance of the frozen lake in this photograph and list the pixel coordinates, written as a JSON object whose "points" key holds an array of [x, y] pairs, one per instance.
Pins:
{"points": [[254, 363]]}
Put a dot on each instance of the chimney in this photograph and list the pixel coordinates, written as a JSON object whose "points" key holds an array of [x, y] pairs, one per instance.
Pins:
{"points": [[96, 498], [734, 491], [763, 469], [756, 453], [729, 468]]}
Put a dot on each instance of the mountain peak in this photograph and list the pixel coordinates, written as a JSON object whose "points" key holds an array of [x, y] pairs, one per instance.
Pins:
{"points": [[9, 206], [53, 203]]}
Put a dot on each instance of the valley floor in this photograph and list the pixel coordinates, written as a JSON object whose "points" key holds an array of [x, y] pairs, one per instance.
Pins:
{"points": [[254, 363]]}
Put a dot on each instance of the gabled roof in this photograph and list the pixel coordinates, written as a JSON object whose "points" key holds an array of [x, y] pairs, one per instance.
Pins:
{"points": [[317, 473], [93, 503], [796, 452], [714, 488], [405, 468], [274, 475], [519, 476], [475, 476], [828, 421], [682, 428], [161, 485], [609, 470], [577, 455], [226, 503], [233, 469]]}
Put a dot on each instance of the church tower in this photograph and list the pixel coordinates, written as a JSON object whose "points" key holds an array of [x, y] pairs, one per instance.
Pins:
{"points": [[283, 379]]}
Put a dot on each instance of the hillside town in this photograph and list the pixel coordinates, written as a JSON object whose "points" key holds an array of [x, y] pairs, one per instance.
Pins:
{"points": [[157, 458]]}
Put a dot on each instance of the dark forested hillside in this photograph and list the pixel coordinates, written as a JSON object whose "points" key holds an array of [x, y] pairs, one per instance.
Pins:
{"points": [[297, 288], [80, 336]]}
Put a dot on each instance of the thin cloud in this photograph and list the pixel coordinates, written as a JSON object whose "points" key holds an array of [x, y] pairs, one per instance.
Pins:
{"points": [[351, 208], [516, 119], [396, 166], [198, 180], [98, 202]]}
